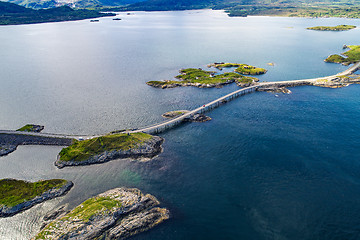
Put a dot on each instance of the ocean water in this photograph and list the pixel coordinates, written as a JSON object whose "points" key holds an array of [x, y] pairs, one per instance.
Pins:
{"points": [[265, 167]]}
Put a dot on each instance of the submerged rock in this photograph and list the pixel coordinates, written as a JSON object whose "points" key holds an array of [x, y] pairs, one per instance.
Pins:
{"points": [[116, 214]]}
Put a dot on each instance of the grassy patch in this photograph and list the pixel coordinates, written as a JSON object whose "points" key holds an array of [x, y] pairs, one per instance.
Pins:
{"points": [[92, 207], [336, 28], [250, 70], [352, 56], [81, 214], [13, 192], [82, 150], [240, 68], [26, 128]]}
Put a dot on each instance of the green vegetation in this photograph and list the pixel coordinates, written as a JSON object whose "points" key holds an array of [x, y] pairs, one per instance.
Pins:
{"points": [[194, 75], [12, 14], [83, 150], [26, 128], [13, 192], [352, 56], [240, 68], [31, 128], [250, 70], [83, 213], [199, 76], [93, 206], [336, 28]]}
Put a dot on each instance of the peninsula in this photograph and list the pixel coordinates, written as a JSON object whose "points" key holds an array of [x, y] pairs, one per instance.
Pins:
{"points": [[17, 195], [208, 79], [108, 147], [336, 28], [351, 56], [12, 14], [116, 214]]}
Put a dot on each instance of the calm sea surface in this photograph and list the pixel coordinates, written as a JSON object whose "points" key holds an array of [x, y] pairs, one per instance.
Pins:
{"points": [[265, 167]]}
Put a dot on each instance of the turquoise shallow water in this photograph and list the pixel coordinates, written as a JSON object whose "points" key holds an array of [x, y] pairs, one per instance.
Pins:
{"points": [[265, 167]]}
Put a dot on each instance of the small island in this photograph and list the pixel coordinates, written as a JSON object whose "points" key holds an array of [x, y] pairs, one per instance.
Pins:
{"points": [[116, 214], [203, 79], [351, 56], [240, 68], [31, 128], [336, 28], [195, 118], [105, 148], [18, 195]]}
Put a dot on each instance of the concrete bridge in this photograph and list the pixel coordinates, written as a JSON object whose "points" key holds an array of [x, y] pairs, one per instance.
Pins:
{"points": [[291, 83], [64, 139]]}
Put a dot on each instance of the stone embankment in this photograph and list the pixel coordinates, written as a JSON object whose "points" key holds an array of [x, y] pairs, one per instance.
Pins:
{"points": [[5, 149], [10, 141], [50, 194], [116, 214], [148, 149]]}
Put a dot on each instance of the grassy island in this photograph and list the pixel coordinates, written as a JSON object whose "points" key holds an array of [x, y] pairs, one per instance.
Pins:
{"points": [[83, 150], [351, 56], [201, 78], [240, 68], [14, 192], [336, 28]]}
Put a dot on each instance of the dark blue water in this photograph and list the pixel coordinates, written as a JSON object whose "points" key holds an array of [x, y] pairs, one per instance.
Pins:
{"points": [[265, 167]]}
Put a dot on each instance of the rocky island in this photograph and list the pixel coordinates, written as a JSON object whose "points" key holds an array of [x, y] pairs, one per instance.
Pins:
{"points": [[116, 214], [108, 147], [204, 79], [351, 56], [31, 128], [336, 28], [17, 195], [195, 118]]}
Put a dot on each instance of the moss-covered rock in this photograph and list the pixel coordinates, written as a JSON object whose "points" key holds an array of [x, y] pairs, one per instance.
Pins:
{"points": [[115, 214]]}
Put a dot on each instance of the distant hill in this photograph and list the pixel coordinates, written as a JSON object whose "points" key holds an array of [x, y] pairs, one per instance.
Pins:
{"points": [[12, 14], [40, 4]]}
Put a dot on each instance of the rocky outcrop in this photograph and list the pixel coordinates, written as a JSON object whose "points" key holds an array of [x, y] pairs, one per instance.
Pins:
{"points": [[50, 194], [6, 149], [115, 214], [148, 149], [197, 118], [275, 90], [31, 128], [338, 82], [173, 114], [188, 84]]}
